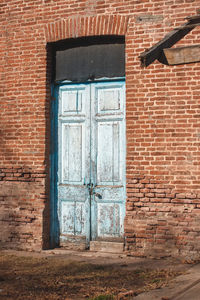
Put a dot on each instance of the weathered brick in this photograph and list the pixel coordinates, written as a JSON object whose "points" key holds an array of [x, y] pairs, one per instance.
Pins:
{"points": [[162, 121]]}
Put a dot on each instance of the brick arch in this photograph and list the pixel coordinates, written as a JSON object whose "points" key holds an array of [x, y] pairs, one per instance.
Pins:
{"points": [[86, 26]]}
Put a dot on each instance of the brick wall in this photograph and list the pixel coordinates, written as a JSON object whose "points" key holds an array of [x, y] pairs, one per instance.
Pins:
{"points": [[163, 121]]}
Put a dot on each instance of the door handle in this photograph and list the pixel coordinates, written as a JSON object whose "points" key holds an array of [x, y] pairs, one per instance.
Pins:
{"points": [[98, 195]]}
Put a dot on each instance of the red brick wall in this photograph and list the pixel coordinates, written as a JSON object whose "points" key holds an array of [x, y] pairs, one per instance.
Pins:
{"points": [[163, 121]]}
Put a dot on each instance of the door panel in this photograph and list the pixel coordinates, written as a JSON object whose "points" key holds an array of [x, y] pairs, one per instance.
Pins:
{"points": [[72, 152], [73, 216], [108, 163], [91, 161], [73, 161], [108, 220], [71, 100]]}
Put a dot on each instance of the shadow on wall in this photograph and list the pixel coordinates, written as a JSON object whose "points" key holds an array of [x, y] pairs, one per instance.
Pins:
{"points": [[24, 189], [50, 213]]}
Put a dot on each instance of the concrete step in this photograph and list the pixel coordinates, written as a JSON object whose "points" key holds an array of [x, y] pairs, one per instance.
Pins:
{"points": [[111, 247]]}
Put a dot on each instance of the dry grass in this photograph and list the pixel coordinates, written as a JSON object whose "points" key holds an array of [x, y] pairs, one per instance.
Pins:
{"points": [[55, 278]]}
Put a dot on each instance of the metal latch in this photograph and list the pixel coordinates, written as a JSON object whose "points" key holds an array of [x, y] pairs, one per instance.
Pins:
{"points": [[90, 188], [92, 192]]}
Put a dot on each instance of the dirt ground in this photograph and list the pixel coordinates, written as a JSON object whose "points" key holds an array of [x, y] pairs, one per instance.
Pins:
{"points": [[66, 275]]}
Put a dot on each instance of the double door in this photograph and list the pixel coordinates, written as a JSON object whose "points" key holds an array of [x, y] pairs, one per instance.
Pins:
{"points": [[91, 161]]}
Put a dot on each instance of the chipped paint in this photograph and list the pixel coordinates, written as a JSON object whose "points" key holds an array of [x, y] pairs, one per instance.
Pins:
{"points": [[91, 161]]}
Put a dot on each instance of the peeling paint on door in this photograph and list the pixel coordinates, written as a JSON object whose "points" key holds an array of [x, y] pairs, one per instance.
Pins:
{"points": [[91, 161]]}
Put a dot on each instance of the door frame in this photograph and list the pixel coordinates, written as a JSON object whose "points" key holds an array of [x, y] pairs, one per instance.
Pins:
{"points": [[54, 218]]}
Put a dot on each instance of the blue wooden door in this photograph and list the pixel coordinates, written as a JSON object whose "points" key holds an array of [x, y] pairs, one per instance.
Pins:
{"points": [[91, 162]]}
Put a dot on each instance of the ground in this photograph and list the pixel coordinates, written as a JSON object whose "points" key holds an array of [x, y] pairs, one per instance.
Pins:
{"points": [[69, 275]]}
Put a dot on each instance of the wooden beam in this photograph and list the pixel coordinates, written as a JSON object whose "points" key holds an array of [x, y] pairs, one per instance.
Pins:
{"points": [[182, 55], [197, 17], [155, 52], [188, 26]]}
